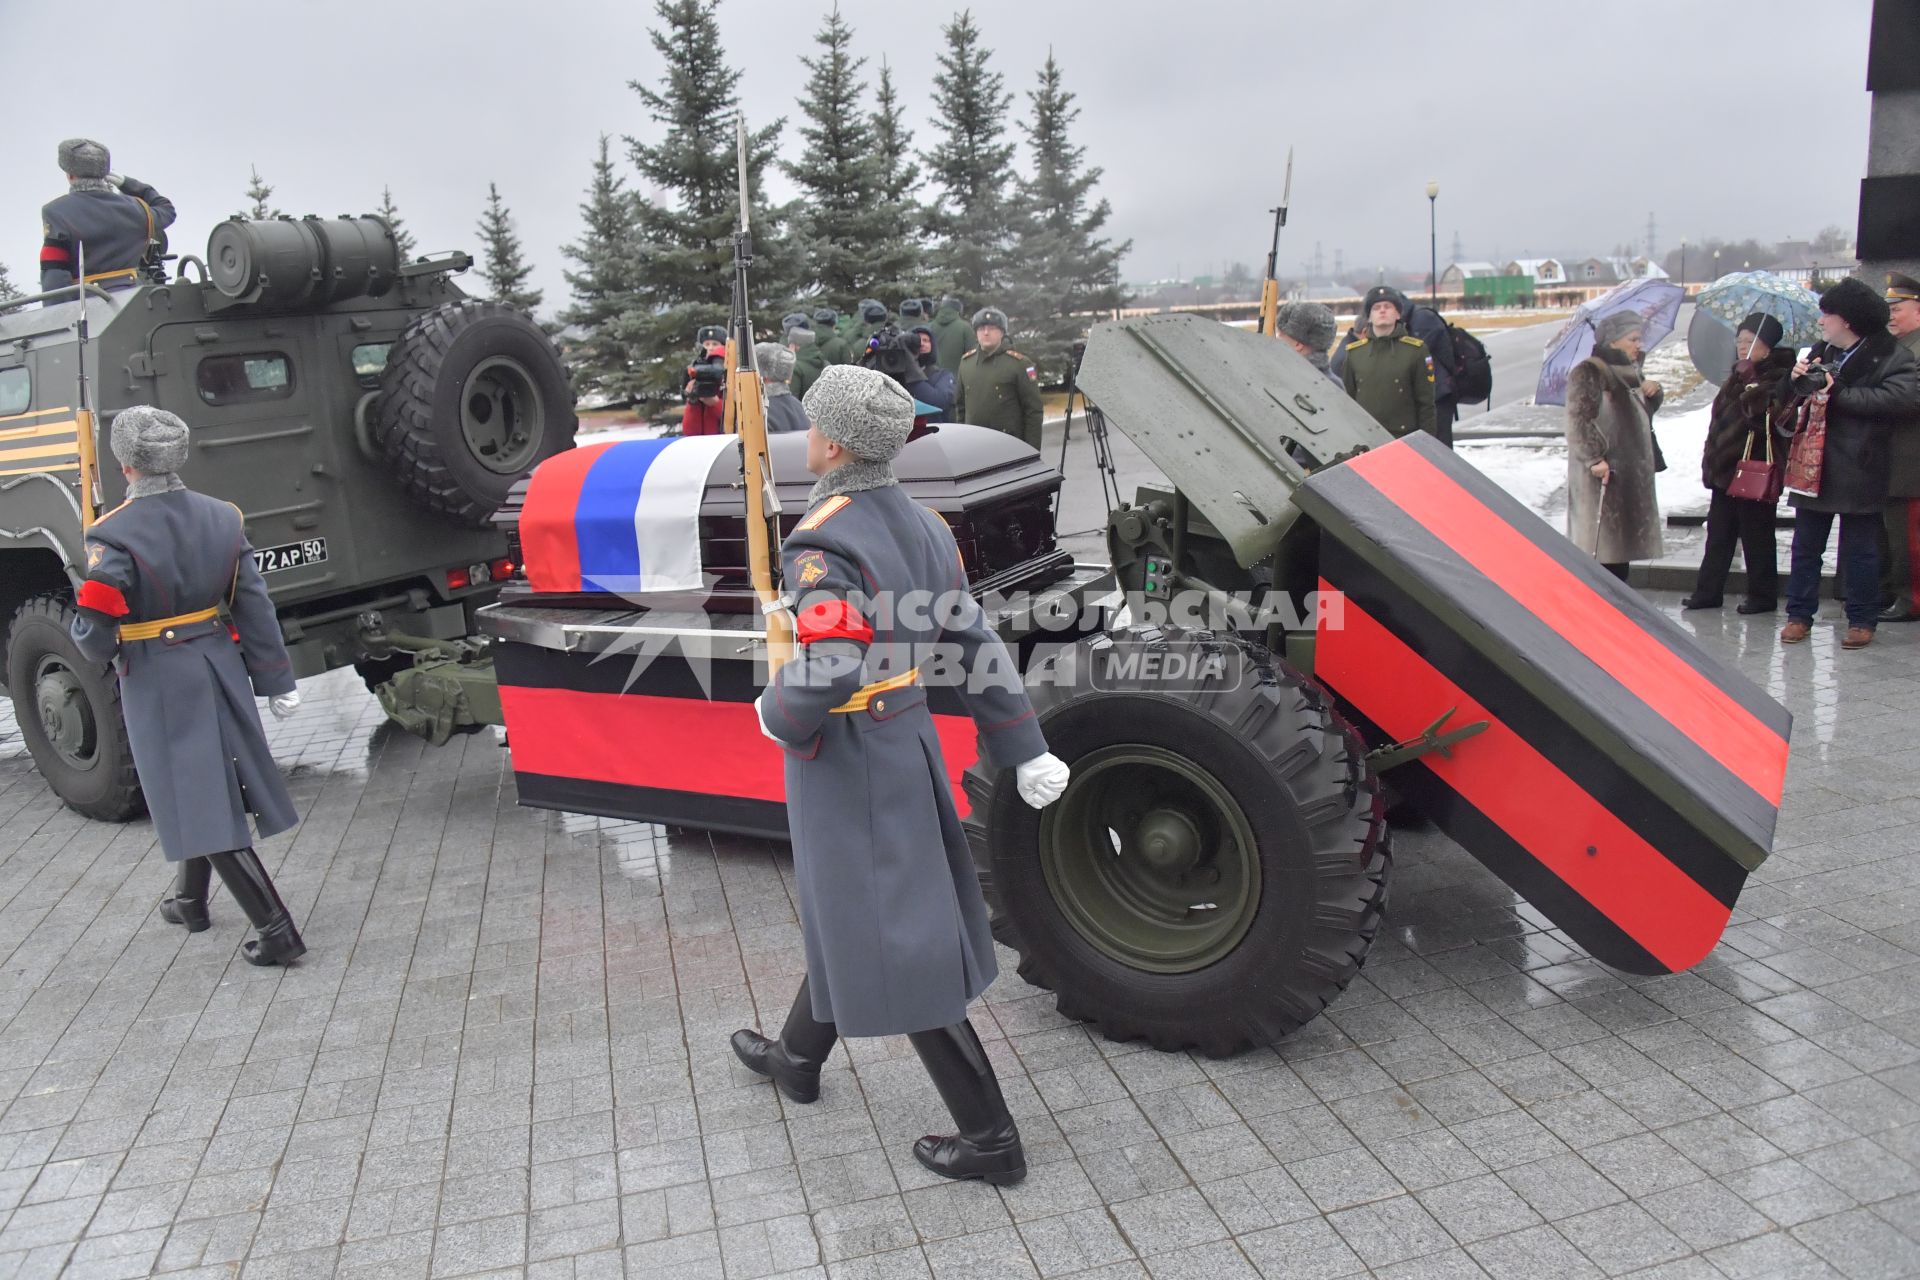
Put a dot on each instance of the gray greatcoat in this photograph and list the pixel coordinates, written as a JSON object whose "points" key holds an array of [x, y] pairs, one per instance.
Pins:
{"points": [[1608, 420], [896, 931], [196, 737]]}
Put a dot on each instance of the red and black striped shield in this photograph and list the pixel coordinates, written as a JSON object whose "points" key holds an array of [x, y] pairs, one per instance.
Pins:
{"points": [[1627, 782]]}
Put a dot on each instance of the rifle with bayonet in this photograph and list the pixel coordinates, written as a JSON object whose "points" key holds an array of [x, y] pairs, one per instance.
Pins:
{"points": [[746, 417], [1270, 290]]}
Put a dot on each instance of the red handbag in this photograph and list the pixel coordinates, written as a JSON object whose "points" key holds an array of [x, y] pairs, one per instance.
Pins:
{"points": [[1809, 448], [1758, 479]]}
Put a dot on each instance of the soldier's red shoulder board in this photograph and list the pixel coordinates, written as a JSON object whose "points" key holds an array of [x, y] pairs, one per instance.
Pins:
{"points": [[824, 512]]}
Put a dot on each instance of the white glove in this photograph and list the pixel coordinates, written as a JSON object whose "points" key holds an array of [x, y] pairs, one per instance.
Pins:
{"points": [[761, 720], [284, 704], [1042, 780], [116, 180]]}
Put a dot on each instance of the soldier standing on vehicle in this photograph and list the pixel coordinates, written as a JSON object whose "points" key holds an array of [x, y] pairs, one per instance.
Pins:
{"points": [[895, 929], [116, 220], [998, 387], [1388, 371], [173, 599]]}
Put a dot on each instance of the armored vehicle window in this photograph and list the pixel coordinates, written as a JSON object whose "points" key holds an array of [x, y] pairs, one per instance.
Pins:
{"points": [[370, 361], [236, 379], [16, 391]]}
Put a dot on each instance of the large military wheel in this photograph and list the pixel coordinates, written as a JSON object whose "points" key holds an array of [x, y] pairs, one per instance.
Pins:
{"points": [[1217, 869], [68, 710], [474, 396]]}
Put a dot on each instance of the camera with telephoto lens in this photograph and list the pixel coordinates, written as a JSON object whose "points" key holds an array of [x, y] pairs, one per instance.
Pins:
{"points": [[895, 354], [708, 374], [1815, 379]]}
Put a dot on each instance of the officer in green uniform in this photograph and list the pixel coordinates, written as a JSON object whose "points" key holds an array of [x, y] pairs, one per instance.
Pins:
{"points": [[826, 332], [1388, 371], [999, 387]]}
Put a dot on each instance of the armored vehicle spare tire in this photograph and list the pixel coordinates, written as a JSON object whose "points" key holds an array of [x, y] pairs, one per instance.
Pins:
{"points": [[1217, 869], [474, 396], [68, 710]]}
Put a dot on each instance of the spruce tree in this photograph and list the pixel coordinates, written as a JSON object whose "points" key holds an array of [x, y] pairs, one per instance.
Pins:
{"points": [[260, 194], [687, 232], [402, 238], [971, 164], [505, 270], [8, 290], [608, 258], [894, 141], [849, 233], [1067, 268]]}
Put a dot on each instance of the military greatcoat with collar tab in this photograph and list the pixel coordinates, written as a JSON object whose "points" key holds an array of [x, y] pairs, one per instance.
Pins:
{"points": [[896, 931], [187, 692]]}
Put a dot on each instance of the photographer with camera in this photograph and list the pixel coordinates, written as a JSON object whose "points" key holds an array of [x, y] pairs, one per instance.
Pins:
{"points": [[1853, 387], [706, 389], [940, 390], [896, 355]]}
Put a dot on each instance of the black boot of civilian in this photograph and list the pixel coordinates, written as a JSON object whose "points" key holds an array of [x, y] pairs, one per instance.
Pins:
{"points": [[988, 1144]]}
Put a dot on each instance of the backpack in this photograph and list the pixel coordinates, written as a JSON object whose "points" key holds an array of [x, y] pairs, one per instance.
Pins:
{"points": [[1472, 369]]}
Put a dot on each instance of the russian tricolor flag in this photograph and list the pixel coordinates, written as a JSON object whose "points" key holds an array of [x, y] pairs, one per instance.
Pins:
{"points": [[622, 517]]}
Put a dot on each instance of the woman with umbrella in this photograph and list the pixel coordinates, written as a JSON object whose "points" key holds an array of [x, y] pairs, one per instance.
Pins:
{"points": [[1741, 430], [1611, 508]]}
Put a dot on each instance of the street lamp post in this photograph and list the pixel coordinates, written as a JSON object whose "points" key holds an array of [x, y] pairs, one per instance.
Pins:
{"points": [[1683, 267], [1433, 244], [1716, 264]]}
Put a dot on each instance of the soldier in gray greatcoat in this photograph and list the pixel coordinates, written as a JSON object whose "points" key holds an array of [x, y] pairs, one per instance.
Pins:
{"points": [[173, 598], [118, 220], [895, 928]]}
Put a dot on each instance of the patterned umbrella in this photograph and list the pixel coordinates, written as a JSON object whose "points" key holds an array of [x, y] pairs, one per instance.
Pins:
{"points": [[1656, 302], [1735, 297]]}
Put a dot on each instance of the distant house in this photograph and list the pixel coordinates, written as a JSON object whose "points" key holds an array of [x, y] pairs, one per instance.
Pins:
{"points": [[1800, 262], [1545, 271], [1322, 291], [1613, 270], [1454, 278]]}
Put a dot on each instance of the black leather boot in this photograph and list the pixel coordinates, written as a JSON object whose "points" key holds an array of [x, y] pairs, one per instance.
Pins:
{"points": [[279, 942], [794, 1060], [188, 905], [988, 1144]]}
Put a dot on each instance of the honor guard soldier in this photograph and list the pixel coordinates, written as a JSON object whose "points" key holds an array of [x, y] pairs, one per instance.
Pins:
{"points": [[890, 908], [1388, 371], [117, 220], [173, 599], [997, 386]]}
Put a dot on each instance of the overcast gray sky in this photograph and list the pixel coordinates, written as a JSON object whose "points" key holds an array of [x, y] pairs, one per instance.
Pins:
{"points": [[1550, 128]]}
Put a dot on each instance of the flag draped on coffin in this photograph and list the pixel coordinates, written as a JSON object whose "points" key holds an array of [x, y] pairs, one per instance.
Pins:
{"points": [[622, 518]]}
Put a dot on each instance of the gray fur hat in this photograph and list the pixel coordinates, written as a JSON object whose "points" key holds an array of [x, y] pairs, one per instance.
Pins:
{"points": [[84, 158], [1614, 327], [775, 361], [1308, 323], [993, 316], [151, 441], [801, 337], [862, 410]]}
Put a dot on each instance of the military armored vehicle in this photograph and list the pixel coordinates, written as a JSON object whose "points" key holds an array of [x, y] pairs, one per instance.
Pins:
{"points": [[1305, 612], [365, 415]]}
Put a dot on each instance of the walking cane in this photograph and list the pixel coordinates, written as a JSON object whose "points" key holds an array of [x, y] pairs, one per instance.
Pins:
{"points": [[1599, 509]]}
